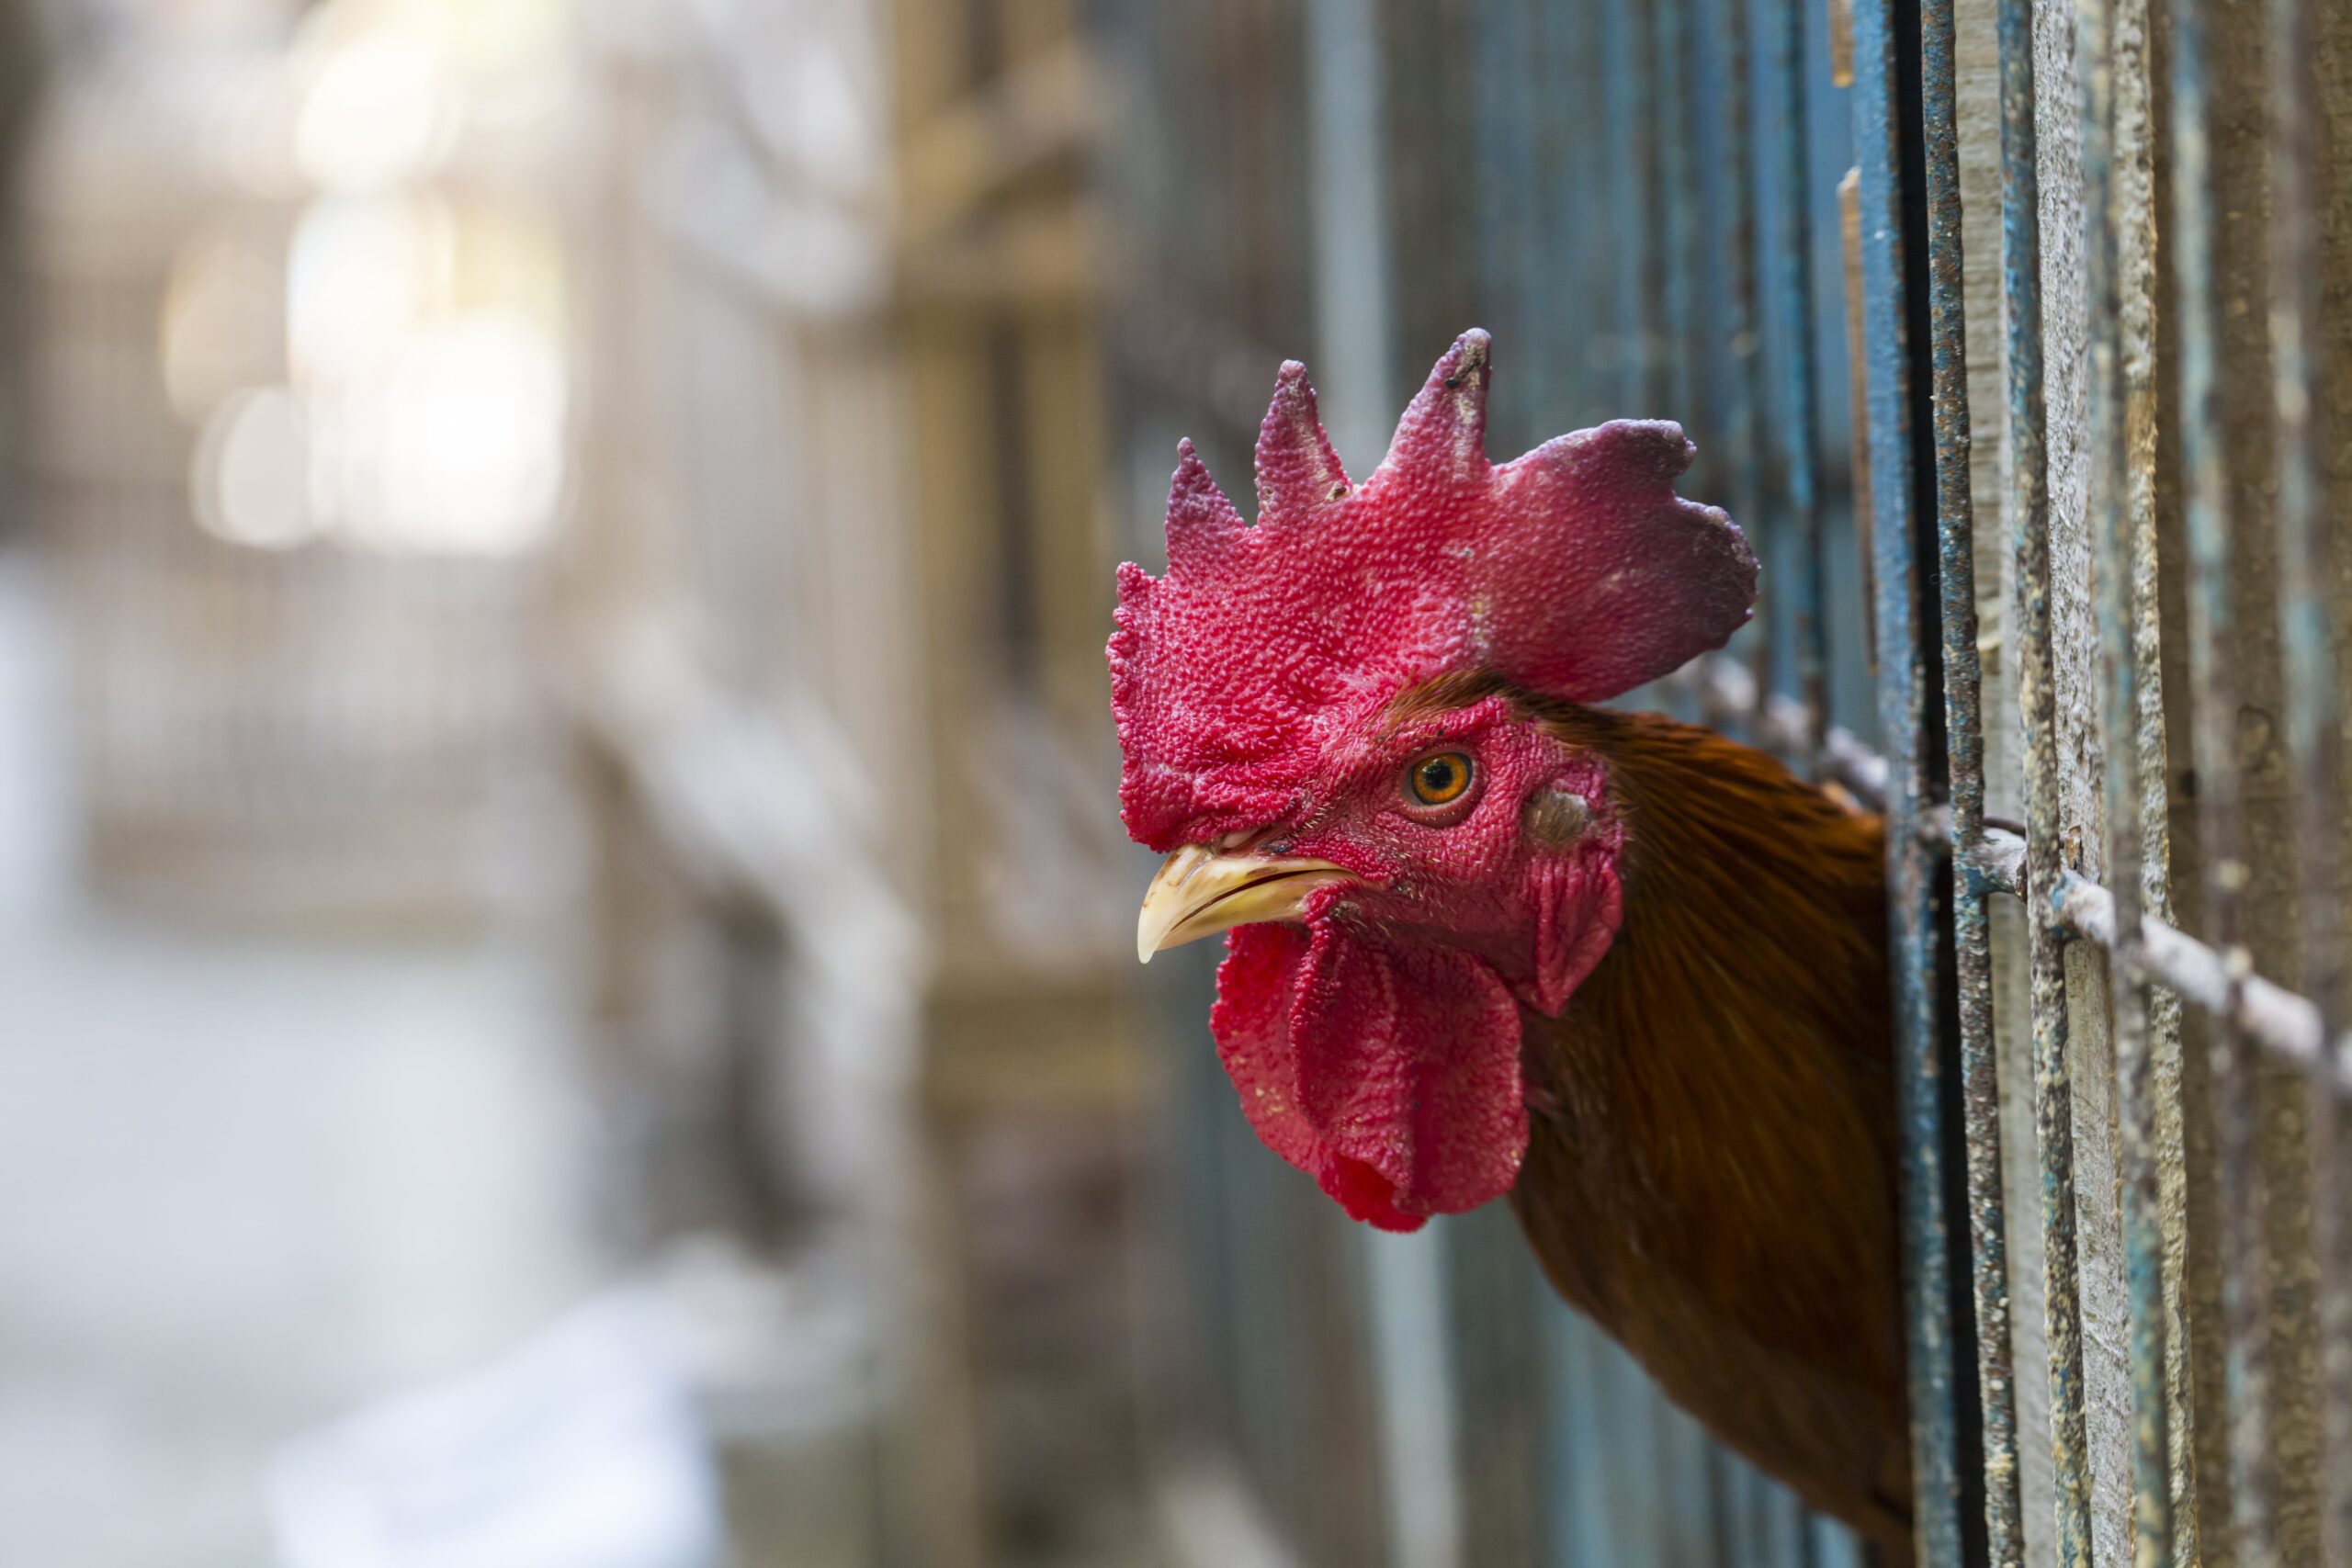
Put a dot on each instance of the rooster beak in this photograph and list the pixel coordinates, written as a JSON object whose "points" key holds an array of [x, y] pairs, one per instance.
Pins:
{"points": [[1200, 892]]}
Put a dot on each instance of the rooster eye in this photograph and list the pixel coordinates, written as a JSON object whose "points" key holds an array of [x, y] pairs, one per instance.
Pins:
{"points": [[1439, 780]]}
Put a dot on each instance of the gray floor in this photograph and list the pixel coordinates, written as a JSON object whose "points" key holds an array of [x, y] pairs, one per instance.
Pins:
{"points": [[243, 1186]]}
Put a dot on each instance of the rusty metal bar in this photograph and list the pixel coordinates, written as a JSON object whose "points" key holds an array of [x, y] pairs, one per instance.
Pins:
{"points": [[2029, 525], [2312, 713], [1884, 115], [2133, 135], [2212, 635], [2122, 639], [1790, 287], [1963, 721]]}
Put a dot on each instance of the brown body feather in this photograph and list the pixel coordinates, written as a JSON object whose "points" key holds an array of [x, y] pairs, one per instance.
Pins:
{"points": [[1711, 1171]]}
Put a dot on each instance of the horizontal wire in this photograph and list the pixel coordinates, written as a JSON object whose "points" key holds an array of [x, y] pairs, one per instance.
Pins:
{"points": [[2274, 1017]]}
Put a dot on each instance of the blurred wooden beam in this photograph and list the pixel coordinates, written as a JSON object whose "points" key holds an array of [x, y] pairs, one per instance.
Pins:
{"points": [[1037, 116]]}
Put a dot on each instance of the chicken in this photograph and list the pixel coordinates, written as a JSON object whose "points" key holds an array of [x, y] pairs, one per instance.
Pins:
{"points": [[1484, 938]]}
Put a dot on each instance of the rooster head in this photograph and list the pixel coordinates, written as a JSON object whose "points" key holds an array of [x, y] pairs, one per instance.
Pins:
{"points": [[1329, 728]]}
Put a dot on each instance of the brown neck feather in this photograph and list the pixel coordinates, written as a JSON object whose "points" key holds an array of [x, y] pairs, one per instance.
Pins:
{"points": [[1710, 1168]]}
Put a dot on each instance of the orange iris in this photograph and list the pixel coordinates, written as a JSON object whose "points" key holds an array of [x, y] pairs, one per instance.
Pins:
{"points": [[1436, 781]]}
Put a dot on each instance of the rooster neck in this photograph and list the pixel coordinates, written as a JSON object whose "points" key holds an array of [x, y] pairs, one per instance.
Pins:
{"points": [[1709, 1172], [1755, 917]]}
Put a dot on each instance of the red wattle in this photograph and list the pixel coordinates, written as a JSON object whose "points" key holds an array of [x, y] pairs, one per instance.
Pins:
{"points": [[1389, 1072], [1367, 1195]]}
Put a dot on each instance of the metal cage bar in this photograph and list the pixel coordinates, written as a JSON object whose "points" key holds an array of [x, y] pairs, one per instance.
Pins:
{"points": [[2211, 623], [2125, 640], [2313, 712], [1741, 325], [2029, 522], [1791, 286], [1964, 747], [2123, 914], [1906, 663], [2252, 1018]]}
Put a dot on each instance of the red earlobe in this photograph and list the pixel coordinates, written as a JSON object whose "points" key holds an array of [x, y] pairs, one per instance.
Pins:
{"points": [[1578, 906]]}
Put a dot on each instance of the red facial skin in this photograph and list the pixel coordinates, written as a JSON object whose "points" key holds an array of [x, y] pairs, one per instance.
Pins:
{"points": [[1468, 874], [1275, 684], [1376, 1046]]}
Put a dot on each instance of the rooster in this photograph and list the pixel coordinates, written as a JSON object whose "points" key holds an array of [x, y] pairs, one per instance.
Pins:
{"points": [[1486, 939]]}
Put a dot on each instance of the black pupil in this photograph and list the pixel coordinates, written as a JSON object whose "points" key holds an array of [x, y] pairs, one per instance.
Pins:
{"points": [[1437, 776]]}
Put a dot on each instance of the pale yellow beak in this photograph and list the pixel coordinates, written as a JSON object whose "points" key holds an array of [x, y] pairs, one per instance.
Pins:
{"points": [[1200, 892]]}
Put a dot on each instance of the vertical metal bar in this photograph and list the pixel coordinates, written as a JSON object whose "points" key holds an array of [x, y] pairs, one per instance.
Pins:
{"points": [[1518, 136], [1740, 326], [1849, 239], [1503, 138], [1354, 282], [1645, 219], [1492, 1297], [1571, 292], [1357, 283], [1632, 186], [2053, 1110], [1591, 241], [2121, 641], [2313, 714], [2213, 634], [1963, 721], [1679, 197], [2132, 134], [1882, 129], [1791, 296]]}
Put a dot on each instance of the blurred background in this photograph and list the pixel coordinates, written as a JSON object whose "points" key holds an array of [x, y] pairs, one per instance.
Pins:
{"points": [[566, 996]]}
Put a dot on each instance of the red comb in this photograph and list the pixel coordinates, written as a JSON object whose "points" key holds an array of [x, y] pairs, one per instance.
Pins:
{"points": [[1574, 572]]}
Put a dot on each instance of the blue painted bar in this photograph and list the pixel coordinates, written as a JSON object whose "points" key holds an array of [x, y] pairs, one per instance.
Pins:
{"points": [[1741, 329], [1882, 126], [1672, 111], [1791, 293], [1633, 181], [1583, 296]]}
